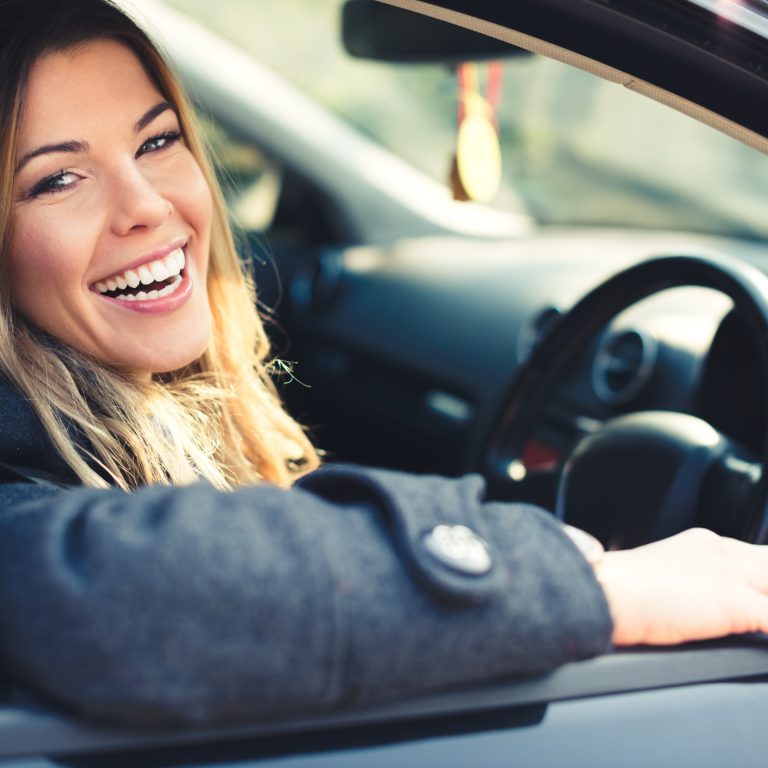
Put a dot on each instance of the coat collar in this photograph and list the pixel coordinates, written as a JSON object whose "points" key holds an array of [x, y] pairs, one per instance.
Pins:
{"points": [[26, 452]]}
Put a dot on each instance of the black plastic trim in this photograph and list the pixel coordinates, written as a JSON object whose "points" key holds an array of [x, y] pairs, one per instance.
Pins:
{"points": [[28, 731], [673, 44]]}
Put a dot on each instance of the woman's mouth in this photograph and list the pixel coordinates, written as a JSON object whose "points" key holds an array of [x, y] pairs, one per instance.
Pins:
{"points": [[151, 281]]}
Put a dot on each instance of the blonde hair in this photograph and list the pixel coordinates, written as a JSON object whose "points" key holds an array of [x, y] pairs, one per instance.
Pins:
{"points": [[222, 419]]}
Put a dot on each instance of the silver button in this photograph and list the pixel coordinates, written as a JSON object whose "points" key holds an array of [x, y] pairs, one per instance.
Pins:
{"points": [[459, 548]]}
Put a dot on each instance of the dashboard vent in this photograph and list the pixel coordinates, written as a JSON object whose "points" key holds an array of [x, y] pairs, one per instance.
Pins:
{"points": [[623, 365], [535, 329]]}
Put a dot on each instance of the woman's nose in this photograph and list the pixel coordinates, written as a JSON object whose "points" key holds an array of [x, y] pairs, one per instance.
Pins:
{"points": [[138, 203]]}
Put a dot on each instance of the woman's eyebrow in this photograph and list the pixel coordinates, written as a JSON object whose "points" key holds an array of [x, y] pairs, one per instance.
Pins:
{"points": [[151, 114], [47, 149], [82, 146]]}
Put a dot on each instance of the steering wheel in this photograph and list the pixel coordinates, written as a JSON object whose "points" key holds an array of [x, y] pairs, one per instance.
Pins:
{"points": [[644, 475]]}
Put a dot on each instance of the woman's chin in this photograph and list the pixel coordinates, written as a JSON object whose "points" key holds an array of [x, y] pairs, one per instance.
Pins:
{"points": [[166, 358]]}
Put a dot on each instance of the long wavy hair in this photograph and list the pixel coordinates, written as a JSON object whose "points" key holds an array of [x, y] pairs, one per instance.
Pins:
{"points": [[217, 419]]}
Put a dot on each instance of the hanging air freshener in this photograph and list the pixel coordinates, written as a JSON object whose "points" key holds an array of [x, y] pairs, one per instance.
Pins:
{"points": [[476, 172]]}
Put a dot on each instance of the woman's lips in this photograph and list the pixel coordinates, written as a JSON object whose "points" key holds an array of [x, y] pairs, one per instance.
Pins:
{"points": [[162, 303], [160, 269]]}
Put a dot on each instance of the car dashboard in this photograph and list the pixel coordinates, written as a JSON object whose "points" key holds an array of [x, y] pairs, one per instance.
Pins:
{"points": [[407, 351]]}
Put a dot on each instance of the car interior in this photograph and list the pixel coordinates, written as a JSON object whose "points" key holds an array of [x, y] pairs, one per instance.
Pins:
{"points": [[592, 342]]}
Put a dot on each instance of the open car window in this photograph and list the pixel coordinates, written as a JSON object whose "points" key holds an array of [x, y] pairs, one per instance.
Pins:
{"points": [[577, 150]]}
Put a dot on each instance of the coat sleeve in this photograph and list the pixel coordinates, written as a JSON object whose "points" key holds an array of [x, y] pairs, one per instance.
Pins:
{"points": [[193, 605]]}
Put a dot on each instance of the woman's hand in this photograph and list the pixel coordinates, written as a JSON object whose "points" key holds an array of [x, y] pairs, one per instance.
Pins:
{"points": [[693, 586]]}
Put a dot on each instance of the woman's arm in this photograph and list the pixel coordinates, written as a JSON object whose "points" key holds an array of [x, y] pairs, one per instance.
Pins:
{"points": [[195, 605]]}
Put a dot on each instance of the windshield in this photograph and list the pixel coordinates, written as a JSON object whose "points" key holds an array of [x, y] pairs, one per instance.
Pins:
{"points": [[577, 150]]}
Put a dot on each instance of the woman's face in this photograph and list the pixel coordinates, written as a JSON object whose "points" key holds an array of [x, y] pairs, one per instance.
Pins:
{"points": [[112, 214]]}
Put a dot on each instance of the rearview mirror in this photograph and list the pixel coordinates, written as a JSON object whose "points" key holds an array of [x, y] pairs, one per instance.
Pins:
{"points": [[380, 32]]}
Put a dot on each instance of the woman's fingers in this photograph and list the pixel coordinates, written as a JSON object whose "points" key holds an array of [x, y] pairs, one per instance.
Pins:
{"points": [[750, 560], [693, 586]]}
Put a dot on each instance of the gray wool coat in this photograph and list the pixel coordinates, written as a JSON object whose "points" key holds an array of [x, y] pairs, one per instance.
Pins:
{"points": [[188, 604]]}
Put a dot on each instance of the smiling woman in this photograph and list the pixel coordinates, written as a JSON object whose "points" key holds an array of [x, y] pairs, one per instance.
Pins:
{"points": [[130, 207], [134, 363], [117, 252]]}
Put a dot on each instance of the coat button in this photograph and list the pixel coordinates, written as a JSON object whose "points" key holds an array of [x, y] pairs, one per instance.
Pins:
{"points": [[459, 548]]}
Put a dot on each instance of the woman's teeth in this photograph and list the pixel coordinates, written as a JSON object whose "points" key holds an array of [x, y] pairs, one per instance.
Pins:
{"points": [[153, 294], [165, 271]]}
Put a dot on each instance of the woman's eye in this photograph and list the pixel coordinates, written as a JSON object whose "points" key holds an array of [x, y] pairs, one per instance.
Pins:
{"points": [[158, 143], [56, 182]]}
